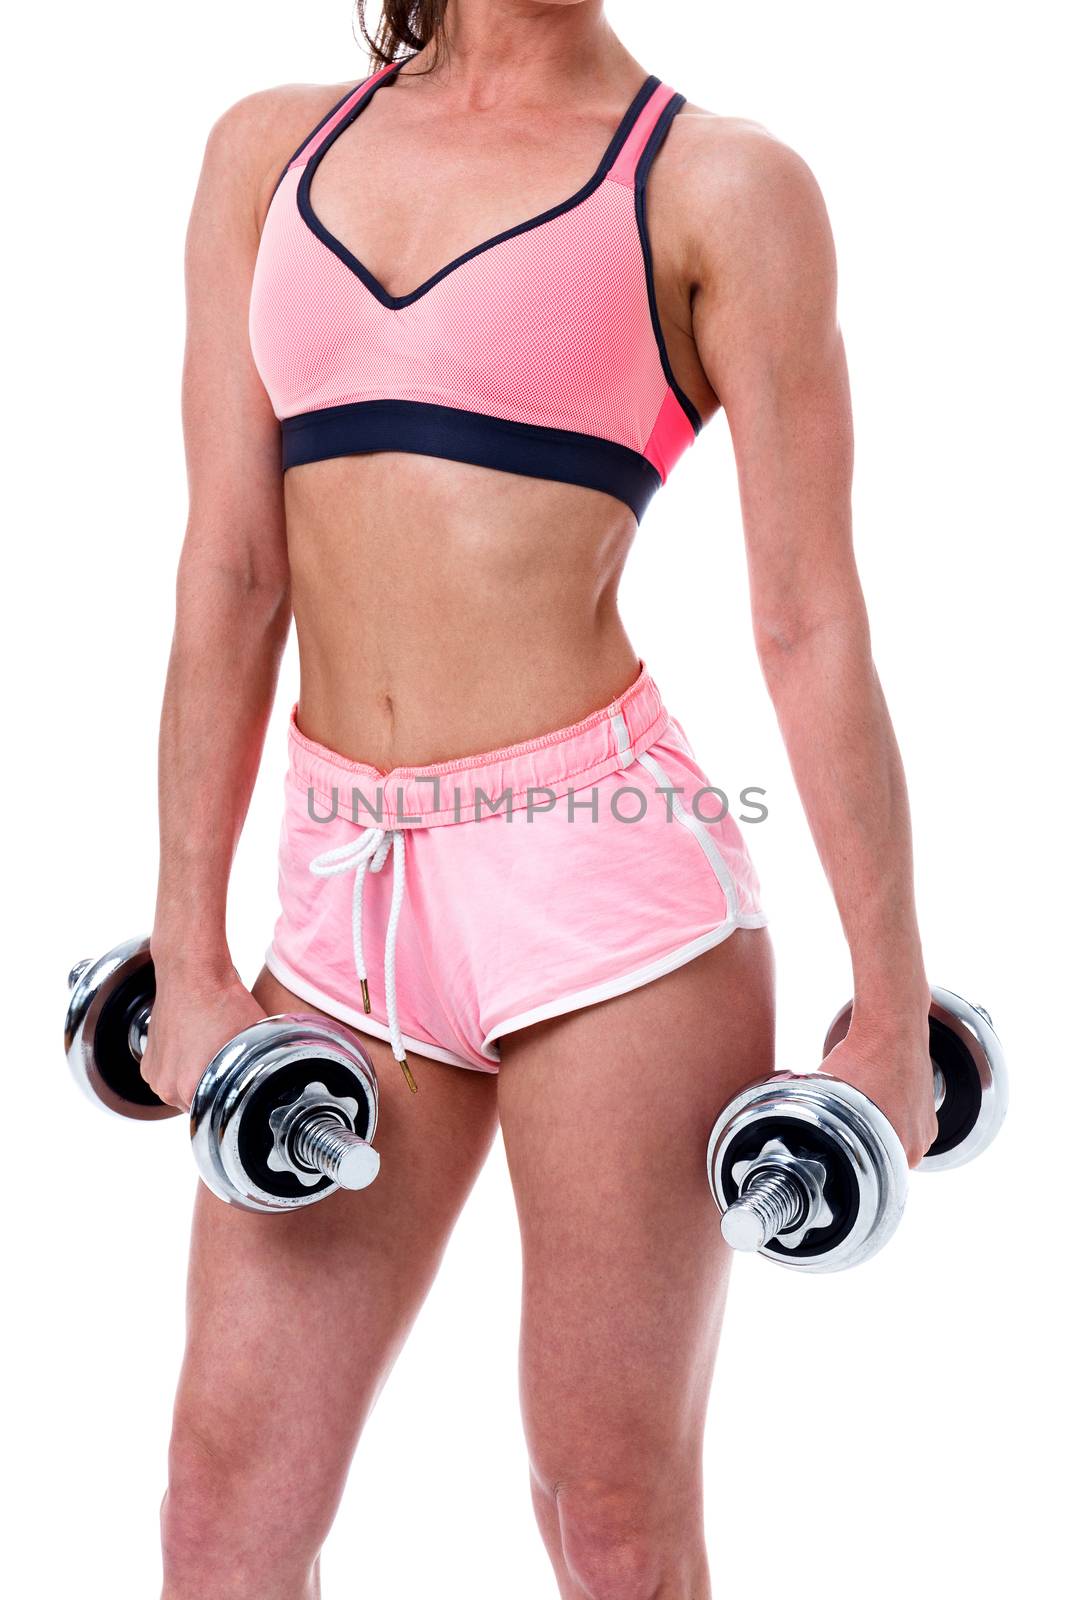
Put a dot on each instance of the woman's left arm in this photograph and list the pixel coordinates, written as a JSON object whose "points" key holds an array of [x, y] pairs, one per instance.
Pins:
{"points": [[765, 321]]}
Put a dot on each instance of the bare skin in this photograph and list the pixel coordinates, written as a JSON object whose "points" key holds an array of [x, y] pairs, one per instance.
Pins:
{"points": [[607, 1198], [371, 553], [260, 1446]]}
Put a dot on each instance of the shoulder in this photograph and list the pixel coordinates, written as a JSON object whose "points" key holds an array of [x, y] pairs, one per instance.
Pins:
{"points": [[747, 196], [249, 145]]}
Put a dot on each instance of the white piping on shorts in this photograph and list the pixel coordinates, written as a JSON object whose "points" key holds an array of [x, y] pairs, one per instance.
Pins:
{"points": [[622, 985], [622, 739], [364, 1024], [665, 963], [700, 832]]}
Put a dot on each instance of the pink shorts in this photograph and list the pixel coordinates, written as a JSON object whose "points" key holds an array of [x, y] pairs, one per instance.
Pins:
{"points": [[468, 899]]}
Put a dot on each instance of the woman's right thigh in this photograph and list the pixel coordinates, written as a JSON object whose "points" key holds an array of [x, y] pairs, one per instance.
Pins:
{"points": [[294, 1321]]}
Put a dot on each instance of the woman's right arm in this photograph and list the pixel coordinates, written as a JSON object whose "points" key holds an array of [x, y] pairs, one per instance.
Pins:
{"points": [[232, 616]]}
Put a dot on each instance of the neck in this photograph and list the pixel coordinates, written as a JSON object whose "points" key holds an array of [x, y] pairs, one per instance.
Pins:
{"points": [[489, 51]]}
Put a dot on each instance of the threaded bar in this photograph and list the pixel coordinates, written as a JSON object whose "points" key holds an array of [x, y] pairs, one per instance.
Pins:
{"points": [[769, 1205], [319, 1141], [322, 1142]]}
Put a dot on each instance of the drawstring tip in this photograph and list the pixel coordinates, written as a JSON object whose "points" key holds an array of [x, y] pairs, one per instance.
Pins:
{"points": [[364, 989], [408, 1076]]}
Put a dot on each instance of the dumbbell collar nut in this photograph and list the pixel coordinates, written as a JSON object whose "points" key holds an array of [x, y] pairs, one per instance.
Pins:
{"points": [[807, 1178], [339, 1114]]}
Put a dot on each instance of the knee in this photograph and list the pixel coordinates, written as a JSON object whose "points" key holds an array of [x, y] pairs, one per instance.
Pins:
{"points": [[616, 1544], [203, 1483], [218, 1516]]}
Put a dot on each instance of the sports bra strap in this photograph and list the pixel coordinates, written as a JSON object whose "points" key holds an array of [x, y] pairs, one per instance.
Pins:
{"points": [[659, 103], [338, 114]]}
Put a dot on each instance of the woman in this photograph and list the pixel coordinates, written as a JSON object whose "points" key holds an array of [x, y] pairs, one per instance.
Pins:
{"points": [[432, 426]]}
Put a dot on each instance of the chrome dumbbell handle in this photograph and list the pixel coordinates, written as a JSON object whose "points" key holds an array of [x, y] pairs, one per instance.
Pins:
{"points": [[138, 1031], [977, 1088]]}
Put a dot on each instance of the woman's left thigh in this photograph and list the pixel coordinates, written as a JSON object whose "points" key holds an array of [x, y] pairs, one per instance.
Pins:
{"points": [[605, 1116]]}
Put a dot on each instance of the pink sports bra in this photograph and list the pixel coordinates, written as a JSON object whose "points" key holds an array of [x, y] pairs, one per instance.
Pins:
{"points": [[538, 352]]}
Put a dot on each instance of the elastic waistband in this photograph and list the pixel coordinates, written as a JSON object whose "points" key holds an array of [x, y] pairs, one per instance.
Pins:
{"points": [[517, 777]]}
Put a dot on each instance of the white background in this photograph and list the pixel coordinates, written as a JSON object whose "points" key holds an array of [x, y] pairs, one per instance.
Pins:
{"points": [[905, 1418]]}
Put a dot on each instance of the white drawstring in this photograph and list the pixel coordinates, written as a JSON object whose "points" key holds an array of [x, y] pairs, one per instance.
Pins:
{"points": [[370, 852]]}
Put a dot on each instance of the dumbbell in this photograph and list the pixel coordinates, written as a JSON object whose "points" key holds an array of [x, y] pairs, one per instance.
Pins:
{"points": [[809, 1172], [283, 1114]]}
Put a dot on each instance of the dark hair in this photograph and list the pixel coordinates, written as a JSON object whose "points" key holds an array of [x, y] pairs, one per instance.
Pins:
{"points": [[406, 26]]}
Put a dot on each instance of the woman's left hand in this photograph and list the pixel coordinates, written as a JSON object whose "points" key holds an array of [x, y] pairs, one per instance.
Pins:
{"points": [[892, 1067]]}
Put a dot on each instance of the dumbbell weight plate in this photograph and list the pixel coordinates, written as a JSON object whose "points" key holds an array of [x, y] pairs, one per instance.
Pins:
{"points": [[100, 1008], [968, 1052], [254, 1074], [822, 1118]]}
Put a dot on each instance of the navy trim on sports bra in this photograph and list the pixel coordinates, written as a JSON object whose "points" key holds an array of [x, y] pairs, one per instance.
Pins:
{"points": [[302, 146], [482, 441], [395, 302], [644, 166]]}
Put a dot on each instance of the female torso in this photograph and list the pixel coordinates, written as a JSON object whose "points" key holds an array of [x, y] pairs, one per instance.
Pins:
{"points": [[444, 608]]}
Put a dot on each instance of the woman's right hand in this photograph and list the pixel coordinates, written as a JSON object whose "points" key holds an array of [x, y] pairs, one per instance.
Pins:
{"points": [[192, 1018]]}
